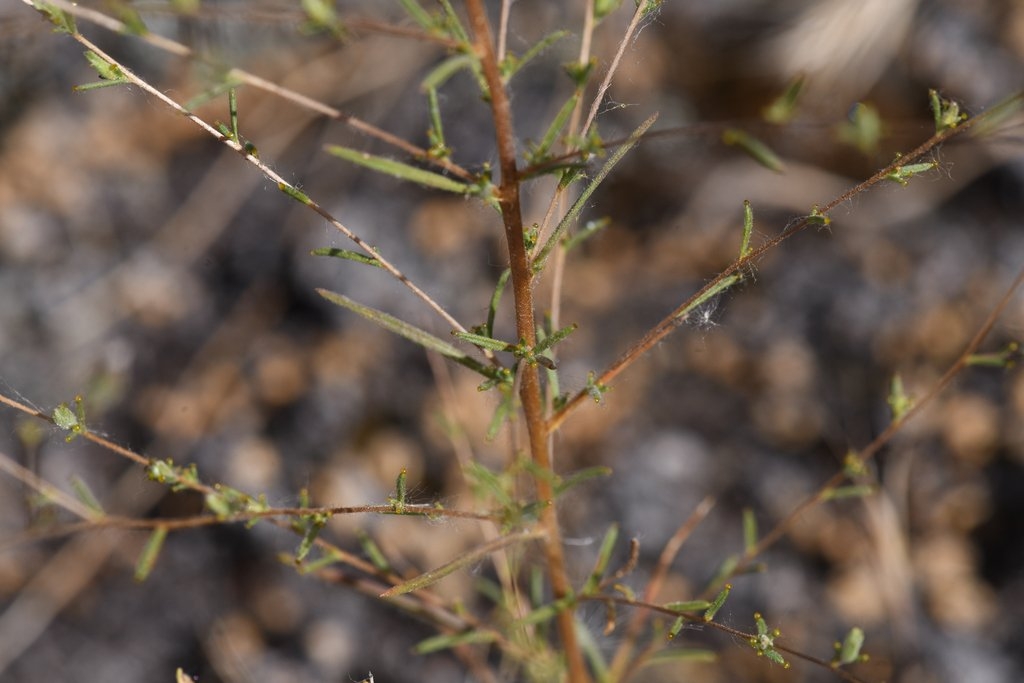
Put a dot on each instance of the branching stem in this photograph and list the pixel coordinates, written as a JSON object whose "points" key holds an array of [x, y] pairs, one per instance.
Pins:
{"points": [[530, 388]]}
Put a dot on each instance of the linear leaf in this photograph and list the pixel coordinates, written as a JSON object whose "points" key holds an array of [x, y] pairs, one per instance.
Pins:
{"points": [[688, 606], [85, 494], [444, 642], [492, 308], [540, 152], [577, 207], [682, 654], [399, 170], [149, 553], [434, 575], [399, 327], [760, 152], [347, 255]]}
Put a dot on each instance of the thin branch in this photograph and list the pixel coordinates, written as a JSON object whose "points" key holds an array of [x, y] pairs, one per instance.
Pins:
{"points": [[607, 81], [271, 174], [621, 662], [530, 390], [887, 435], [736, 633], [674, 319], [242, 76]]}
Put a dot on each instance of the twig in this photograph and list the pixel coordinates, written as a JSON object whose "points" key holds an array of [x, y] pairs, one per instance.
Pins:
{"points": [[672, 321], [242, 76], [530, 390]]}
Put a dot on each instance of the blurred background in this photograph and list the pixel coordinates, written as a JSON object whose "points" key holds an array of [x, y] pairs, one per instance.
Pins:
{"points": [[148, 268]]}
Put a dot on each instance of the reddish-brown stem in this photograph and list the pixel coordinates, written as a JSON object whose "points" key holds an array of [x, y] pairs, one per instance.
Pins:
{"points": [[623, 654], [872, 449], [530, 388], [670, 322]]}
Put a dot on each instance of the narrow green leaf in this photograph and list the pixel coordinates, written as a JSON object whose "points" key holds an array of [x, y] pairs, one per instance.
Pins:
{"points": [[313, 524], [393, 324], [438, 148], [295, 193], [749, 529], [440, 74], [233, 113], [63, 21], [989, 121], [347, 255], [331, 557], [418, 14], [373, 551], [546, 612], [748, 228], [577, 207], [399, 170], [590, 229], [444, 642], [677, 626], [682, 654], [581, 476], [485, 342], [554, 338], [757, 150], [512, 65], [717, 603], [149, 554], [723, 285], [453, 23], [540, 152], [433, 576], [484, 480], [106, 70], [503, 412], [85, 495], [592, 650], [688, 606], [604, 555], [1005, 358], [492, 308], [783, 108]]}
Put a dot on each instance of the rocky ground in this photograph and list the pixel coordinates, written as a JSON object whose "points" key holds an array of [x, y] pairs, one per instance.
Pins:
{"points": [[151, 270]]}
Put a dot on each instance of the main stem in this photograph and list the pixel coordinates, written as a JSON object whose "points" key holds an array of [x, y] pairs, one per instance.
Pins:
{"points": [[530, 388]]}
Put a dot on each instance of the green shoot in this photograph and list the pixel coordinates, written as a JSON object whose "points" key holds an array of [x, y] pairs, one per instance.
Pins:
{"points": [[946, 112], [757, 150], [71, 421], [899, 402], [863, 129], [748, 228], [399, 500], [716, 604], [400, 170], [903, 174], [783, 108], [150, 552], [764, 642], [849, 651], [110, 74]]}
